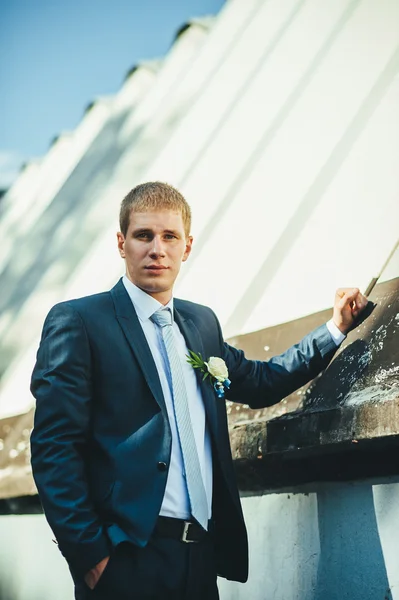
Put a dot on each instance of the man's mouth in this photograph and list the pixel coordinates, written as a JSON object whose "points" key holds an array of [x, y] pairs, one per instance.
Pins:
{"points": [[156, 268]]}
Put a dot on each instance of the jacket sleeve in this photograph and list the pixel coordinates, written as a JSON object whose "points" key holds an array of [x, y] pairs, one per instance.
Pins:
{"points": [[61, 384], [263, 383]]}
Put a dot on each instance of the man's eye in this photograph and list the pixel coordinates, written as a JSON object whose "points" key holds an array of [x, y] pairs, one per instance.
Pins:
{"points": [[170, 236]]}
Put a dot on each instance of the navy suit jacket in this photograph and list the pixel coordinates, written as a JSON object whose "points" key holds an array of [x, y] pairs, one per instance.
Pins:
{"points": [[101, 437]]}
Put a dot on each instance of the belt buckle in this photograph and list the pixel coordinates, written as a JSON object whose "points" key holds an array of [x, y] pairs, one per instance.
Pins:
{"points": [[185, 532]]}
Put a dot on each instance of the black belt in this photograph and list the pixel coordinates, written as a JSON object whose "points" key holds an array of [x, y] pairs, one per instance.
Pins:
{"points": [[178, 529]]}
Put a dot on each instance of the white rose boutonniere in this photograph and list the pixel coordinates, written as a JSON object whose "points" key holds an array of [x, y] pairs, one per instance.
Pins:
{"points": [[215, 368]]}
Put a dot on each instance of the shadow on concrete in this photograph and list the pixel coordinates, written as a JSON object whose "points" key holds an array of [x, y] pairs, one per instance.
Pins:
{"points": [[7, 587], [351, 564]]}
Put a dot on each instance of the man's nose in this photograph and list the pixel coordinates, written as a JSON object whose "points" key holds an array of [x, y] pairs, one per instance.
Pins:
{"points": [[157, 248]]}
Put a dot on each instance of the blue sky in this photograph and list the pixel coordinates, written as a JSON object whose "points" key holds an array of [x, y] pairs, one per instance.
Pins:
{"points": [[57, 56]]}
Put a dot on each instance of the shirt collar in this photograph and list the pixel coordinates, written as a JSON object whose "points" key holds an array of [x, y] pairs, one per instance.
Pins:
{"points": [[144, 304]]}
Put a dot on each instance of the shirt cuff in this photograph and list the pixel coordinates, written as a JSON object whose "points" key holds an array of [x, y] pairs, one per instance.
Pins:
{"points": [[335, 333]]}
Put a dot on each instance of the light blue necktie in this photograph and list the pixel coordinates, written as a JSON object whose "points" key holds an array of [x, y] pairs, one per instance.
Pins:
{"points": [[195, 484]]}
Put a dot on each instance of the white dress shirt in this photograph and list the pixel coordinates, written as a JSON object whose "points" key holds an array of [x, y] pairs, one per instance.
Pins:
{"points": [[176, 501], [335, 333]]}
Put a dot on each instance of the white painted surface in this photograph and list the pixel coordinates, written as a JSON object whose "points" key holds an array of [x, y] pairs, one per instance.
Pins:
{"points": [[31, 566], [334, 542]]}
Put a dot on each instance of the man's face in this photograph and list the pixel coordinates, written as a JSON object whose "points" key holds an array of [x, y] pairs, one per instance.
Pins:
{"points": [[154, 248]]}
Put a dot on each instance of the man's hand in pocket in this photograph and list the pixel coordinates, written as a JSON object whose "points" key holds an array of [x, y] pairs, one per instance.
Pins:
{"points": [[92, 577]]}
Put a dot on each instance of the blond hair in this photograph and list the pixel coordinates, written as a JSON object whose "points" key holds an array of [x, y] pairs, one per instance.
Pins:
{"points": [[152, 196]]}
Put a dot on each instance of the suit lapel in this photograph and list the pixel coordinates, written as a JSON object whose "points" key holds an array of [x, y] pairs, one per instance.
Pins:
{"points": [[130, 324], [194, 342]]}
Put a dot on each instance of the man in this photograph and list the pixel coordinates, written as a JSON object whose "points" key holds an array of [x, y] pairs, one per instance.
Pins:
{"points": [[130, 448]]}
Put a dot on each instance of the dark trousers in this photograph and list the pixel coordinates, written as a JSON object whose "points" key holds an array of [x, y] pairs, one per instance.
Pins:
{"points": [[166, 569]]}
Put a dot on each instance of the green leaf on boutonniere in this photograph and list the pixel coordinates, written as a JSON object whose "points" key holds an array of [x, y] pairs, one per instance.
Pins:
{"points": [[197, 362]]}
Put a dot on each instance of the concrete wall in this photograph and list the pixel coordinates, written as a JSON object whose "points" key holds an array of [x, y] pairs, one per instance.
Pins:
{"points": [[31, 566], [326, 542], [323, 542]]}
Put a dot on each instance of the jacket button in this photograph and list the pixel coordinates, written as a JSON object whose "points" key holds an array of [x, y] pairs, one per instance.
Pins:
{"points": [[162, 466]]}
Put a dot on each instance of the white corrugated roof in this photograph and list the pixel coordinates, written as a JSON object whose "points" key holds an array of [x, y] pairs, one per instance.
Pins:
{"points": [[280, 125]]}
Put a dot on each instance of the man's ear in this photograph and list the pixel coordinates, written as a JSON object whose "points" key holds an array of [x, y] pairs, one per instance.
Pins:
{"points": [[189, 244], [121, 244]]}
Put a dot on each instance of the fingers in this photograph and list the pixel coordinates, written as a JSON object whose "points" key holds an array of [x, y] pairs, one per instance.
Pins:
{"points": [[346, 297], [349, 302], [359, 303], [351, 297]]}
